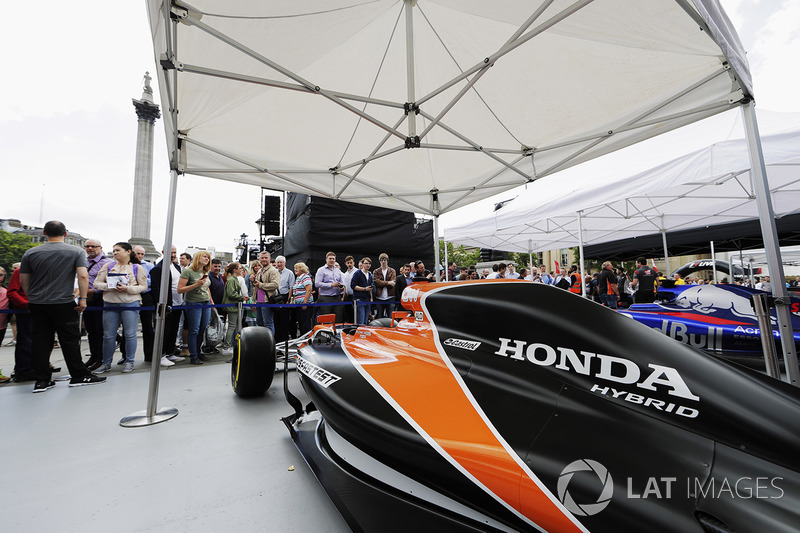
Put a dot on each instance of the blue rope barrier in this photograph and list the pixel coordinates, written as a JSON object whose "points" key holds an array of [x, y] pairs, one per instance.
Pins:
{"points": [[209, 306]]}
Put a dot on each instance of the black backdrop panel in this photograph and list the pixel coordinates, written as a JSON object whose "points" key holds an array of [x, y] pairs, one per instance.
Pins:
{"points": [[316, 226]]}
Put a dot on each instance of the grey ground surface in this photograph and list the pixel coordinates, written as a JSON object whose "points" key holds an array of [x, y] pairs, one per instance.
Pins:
{"points": [[221, 465]]}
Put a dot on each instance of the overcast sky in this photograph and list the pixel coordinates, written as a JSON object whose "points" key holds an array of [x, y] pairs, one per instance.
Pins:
{"points": [[68, 127]]}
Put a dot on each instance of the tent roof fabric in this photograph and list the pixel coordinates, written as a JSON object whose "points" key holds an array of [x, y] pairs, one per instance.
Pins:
{"points": [[429, 105], [706, 188], [745, 235]]}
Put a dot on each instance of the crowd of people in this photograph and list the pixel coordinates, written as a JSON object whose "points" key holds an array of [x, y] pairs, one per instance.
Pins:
{"points": [[64, 289]]}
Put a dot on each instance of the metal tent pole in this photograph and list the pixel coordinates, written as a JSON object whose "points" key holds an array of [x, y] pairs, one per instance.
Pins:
{"points": [[446, 260], [412, 115], [664, 243], [769, 232], [714, 262], [151, 416], [436, 248], [580, 253], [741, 263], [530, 256]]}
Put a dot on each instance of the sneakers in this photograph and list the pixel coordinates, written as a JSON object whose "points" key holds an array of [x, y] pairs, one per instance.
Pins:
{"points": [[196, 362], [166, 362], [121, 361], [42, 386], [227, 351], [10, 343], [175, 358], [23, 377], [94, 365], [4, 379], [102, 368], [128, 367], [85, 380]]}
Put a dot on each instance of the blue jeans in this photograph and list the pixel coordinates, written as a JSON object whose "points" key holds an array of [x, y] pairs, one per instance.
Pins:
{"points": [[111, 321], [362, 312], [264, 318], [383, 308], [610, 300], [197, 320]]}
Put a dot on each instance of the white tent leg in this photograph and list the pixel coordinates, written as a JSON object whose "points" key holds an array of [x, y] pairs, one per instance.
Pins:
{"points": [[769, 232], [530, 256], [580, 253], [436, 247], [714, 262], [150, 416], [412, 116], [446, 262], [741, 263], [666, 253]]}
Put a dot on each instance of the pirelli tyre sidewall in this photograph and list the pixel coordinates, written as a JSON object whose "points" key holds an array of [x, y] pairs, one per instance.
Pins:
{"points": [[253, 365]]}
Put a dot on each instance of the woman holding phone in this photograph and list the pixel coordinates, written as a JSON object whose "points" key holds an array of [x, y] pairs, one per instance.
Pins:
{"points": [[193, 284], [122, 282]]}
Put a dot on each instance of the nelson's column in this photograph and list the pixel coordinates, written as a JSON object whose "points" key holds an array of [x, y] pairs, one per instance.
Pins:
{"points": [[148, 112]]}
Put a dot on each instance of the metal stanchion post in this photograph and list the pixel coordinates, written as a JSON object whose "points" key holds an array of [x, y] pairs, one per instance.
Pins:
{"points": [[761, 307], [152, 416]]}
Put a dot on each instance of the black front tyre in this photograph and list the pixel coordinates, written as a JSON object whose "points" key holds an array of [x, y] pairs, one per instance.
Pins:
{"points": [[253, 364]]}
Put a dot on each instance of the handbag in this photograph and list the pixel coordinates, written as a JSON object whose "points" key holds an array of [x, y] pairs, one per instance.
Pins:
{"points": [[277, 298], [215, 330]]}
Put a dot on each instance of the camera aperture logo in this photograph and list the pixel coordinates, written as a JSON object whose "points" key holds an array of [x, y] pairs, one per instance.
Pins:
{"points": [[585, 508]]}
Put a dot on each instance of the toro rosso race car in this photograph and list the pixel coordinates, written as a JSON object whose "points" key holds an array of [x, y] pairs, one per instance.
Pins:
{"points": [[510, 406], [715, 318]]}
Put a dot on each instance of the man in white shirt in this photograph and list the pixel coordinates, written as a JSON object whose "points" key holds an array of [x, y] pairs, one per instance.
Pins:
{"points": [[282, 314], [511, 273], [385, 279], [544, 277], [172, 320], [347, 276]]}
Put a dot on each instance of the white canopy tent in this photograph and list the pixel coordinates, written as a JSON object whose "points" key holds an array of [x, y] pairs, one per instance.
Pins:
{"points": [[428, 105], [705, 188], [314, 97]]}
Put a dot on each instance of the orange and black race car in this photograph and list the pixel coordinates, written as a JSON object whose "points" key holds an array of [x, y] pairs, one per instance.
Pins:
{"points": [[511, 406]]}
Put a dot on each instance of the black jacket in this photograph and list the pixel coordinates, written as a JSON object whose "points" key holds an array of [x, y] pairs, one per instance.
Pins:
{"points": [[155, 282]]}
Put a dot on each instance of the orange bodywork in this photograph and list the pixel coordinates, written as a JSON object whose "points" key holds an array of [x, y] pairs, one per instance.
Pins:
{"points": [[405, 362]]}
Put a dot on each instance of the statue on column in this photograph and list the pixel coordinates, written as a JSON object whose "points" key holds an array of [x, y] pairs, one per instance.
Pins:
{"points": [[147, 113]]}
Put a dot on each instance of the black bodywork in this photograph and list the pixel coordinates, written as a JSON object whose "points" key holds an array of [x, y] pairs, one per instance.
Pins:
{"points": [[692, 443]]}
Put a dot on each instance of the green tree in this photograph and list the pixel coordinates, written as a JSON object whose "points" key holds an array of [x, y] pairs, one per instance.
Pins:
{"points": [[12, 247], [460, 254]]}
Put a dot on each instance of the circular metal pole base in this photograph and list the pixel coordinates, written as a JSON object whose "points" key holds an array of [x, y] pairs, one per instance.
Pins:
{"points": [[140, 418]]}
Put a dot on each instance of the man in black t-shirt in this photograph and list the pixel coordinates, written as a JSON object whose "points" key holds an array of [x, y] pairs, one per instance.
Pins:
{"points": [[644, 281], [607, 283]]}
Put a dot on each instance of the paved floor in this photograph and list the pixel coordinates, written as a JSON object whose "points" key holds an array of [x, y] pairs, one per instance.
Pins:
{"points": [[223, 464]]}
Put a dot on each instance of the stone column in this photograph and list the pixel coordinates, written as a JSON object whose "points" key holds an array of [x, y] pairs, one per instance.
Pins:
{"points": [[148, 112]]}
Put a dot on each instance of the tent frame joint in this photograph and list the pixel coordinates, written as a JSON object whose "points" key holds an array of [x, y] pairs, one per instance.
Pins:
{"points": [[413, 142], [411, 106], [168, 63]]}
